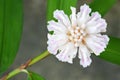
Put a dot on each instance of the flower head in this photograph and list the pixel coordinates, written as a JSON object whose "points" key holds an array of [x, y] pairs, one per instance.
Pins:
{"points": [[80, 33]]}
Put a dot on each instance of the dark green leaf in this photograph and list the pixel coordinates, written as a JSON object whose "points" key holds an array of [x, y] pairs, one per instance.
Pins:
{"points": [[34, 76], [10, 31], [51, 6], [112, 52], [102, 6], [66, 4]]}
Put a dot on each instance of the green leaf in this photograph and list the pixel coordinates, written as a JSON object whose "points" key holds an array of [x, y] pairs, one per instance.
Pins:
{"points": [[51, 6], [10, 31], [34, 76], [102, 6], [66, 4], [112, 52]]}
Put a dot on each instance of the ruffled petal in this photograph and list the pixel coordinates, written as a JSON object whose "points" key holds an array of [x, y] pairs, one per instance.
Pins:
{"points": [[73, 17], [84, 55], [67, 53], [97, 43], [62, 18], [57, 27], [83, 15], [55, 41], [96, 24]]}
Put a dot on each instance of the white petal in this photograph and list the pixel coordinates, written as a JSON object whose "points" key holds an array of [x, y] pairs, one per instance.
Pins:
{"points": [[62, 17], [73, 17], [84, 55], [97, 43], [67, 53], [83, 15], [57, 27], [96, 24], [55, 41]]}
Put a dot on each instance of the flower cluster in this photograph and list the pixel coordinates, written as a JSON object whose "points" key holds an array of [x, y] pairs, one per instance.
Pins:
{"points": [[80, 33]]}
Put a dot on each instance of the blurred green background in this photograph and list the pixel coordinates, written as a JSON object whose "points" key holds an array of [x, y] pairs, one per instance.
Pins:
{"points": [[34, 42]]}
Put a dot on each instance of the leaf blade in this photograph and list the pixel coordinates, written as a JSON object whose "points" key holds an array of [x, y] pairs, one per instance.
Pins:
{"points": [[112, 52], [66, 4], [11, 32], [102, 6], [34, 76], [60, 5], [51, 6]]}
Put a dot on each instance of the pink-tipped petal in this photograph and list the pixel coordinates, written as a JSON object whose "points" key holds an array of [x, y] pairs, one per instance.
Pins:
{"points": [[84, 55], [67, 53], [97, 43], [62, 17], [73, 17], [83, 15], [56, 27], [53, 41], [96, 24]]}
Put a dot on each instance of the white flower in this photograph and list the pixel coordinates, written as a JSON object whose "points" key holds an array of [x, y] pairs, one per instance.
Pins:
{"points": [[80, 33]]}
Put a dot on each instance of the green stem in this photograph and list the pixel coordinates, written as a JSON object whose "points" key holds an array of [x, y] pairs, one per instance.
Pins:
{"points": [[24, 66], [13, 73], [40, 57]]}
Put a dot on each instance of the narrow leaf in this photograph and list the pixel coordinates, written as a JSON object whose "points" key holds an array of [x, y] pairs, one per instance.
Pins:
{"points": [[102, 6], [34, 76], [1, 28], [66, 4], [51, 6], [10, 31], [112, 52]]}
